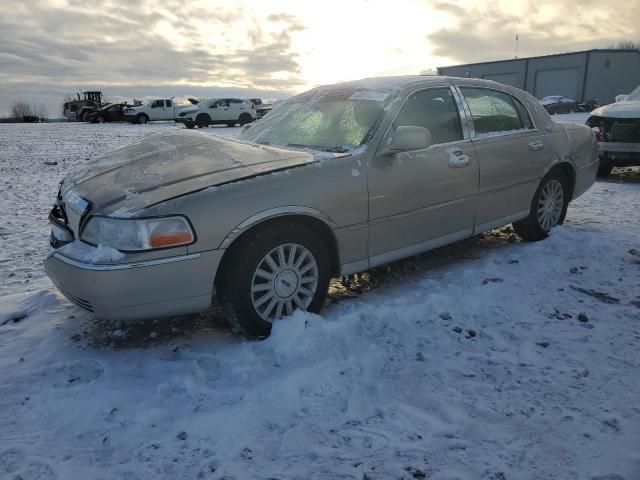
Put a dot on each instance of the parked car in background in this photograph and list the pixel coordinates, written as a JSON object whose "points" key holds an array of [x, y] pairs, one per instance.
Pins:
{"points": [[334, 181], [113, 112], [218, 111], [617, 128], [158, 109], [263, 109], [558, 104], [587, 106]]}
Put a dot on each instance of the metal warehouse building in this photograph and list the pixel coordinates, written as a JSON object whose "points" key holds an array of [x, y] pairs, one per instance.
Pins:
{"points": [[592, 74]]}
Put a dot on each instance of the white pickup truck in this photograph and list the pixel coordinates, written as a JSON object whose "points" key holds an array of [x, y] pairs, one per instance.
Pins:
{"points": [[157, 110]]}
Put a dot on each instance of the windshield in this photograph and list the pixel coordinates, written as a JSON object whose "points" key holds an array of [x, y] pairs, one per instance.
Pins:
{"points": [[334, 120], [635, 95]]}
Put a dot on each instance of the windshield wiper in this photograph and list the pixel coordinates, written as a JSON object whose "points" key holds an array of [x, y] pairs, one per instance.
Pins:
{"points": [[322, 148]]}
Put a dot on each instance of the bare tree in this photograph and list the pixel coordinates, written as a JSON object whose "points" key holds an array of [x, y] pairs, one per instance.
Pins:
{"points": [[625, 45], [432, 72], [20, 109], [40, 110]]}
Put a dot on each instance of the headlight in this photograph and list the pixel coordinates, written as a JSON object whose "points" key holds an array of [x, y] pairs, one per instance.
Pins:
{"points": [[138, 234]]}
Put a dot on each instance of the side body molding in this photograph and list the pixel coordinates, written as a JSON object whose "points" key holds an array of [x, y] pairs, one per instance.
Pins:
{"points": [[273, 213]]}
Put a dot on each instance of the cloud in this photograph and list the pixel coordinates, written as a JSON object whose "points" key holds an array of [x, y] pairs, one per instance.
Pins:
{"points": [[146, 46], [486, 31]]}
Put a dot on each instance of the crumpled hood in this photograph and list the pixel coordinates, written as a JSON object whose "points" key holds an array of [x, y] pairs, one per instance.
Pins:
{"points": [[622, 109], [167, 165]]}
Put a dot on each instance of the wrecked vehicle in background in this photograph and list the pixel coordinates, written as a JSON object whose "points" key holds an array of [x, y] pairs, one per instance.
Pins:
{"points": [[617, 128], [113, 112], [332, 182], [558, 104]]}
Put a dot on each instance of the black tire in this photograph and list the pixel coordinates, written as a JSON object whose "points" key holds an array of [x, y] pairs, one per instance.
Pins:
{"points": [[530, 228], [142, 119], [605, 168], [234, 281], [189, 125], [203, 120], [100, 119], [244, 119]]}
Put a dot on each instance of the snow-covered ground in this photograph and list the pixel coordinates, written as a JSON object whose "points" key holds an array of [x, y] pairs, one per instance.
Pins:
{"points": [[490, 359]]}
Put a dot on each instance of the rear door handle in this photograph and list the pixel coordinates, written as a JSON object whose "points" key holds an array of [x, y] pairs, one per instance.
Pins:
{"points": [[458, 159], [536, 146]]}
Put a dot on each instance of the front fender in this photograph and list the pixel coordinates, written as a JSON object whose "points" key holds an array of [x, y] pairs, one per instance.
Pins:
{"points": [[273, 213]]}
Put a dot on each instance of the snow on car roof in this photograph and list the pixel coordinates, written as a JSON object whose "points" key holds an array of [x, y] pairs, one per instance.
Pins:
{"points": [[385, 83]]}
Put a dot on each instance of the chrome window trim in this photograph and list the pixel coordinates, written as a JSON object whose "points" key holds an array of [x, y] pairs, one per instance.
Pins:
{"points": [[476, 136], [101, 267], [406, 98]]}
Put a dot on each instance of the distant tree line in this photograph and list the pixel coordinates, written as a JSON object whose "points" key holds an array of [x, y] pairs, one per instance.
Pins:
{"points": [[21, 110], [625, 45]]}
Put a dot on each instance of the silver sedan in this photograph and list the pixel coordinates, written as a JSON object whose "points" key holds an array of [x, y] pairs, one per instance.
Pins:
{"points": [[332, 182]]}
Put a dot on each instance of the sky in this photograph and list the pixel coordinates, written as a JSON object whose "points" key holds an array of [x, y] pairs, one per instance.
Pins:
{"points": [[274, 48]]}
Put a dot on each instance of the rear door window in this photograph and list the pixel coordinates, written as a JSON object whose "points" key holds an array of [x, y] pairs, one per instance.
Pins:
{"points": [[494, 111]]}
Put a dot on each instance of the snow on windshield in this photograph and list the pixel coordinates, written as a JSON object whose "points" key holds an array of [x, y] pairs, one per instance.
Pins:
{"points": [[323, 119]]}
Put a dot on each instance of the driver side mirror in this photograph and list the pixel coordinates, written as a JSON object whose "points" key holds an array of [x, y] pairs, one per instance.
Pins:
{"points": [[407, 138]]}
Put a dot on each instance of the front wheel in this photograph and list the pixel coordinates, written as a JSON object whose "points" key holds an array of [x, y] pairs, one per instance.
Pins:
{"points": [[548, 208], [271, 273], [142, 119], [203, 121]]}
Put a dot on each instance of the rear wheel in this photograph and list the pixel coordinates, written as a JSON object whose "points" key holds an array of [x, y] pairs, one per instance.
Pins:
{"points": [[244, 119], [270, 273], [100, 119], [548, 208]]}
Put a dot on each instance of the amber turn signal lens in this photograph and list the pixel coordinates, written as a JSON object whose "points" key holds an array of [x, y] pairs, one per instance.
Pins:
{"points": [[170, 240]]}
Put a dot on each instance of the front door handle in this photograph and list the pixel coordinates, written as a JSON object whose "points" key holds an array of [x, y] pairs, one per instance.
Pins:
{"points": [[458, 159], [536, 146]]}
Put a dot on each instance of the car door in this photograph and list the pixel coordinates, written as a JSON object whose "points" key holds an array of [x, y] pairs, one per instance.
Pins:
{"points": [[511, 151], [156, 111], [237, 107], [220, 112], [424, 198], [169, 111]]}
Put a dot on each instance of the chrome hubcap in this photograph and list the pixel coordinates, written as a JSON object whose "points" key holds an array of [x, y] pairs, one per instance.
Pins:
{"points": [[286, 278], [550, 204]]}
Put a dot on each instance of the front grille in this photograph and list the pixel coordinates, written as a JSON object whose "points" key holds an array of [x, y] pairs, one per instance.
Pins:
{"points": [[626, 132], [84, 304]]}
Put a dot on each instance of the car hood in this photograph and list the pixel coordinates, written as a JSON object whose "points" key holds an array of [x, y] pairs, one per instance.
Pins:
{"points": [[164, 166], [624, 109], [191, 109]]}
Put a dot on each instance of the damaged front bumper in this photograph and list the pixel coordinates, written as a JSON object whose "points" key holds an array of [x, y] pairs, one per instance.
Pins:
{"points": [[161, 287]]}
